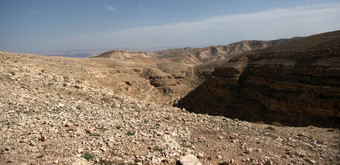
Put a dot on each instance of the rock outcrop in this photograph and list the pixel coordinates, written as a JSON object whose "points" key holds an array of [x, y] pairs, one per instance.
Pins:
{"points": [[295, 83]]}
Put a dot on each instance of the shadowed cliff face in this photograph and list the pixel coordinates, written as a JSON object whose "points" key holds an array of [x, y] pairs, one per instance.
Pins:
{"points": [[295, 83]]}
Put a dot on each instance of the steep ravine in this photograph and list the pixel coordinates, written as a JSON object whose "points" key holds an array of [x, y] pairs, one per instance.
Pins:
{"points": [[296, 83]]}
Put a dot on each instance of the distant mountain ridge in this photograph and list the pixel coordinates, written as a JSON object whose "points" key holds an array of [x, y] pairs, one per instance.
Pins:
{"points": [[121, 54], [191, 55], [194, 56], [81, 53]]}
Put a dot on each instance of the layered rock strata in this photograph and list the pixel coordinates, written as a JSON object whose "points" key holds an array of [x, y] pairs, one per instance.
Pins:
{"points": [[295, 83]]}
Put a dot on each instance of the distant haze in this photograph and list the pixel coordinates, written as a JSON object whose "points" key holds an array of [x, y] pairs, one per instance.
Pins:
{"points": [[38, 25]]}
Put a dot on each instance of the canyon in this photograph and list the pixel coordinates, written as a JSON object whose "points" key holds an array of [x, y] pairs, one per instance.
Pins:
{"points": [[249, 102], [295, 83]]}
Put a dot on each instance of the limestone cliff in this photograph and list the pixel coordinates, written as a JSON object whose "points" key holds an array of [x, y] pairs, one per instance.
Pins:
{"points": [[294, 83]]}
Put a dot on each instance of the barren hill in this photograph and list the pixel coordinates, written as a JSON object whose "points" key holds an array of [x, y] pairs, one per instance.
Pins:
{"points": [[56, 110], [175, 72], [167, 80], [121, 54], [78, 111], [295, 83], [195, 56]]}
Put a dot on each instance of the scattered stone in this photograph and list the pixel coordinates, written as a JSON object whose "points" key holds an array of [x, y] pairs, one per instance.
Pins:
{"points": [[80, 150], [269, 162], [42, 138], [200, 155], [32, 143], [248, 150], [310, 161], [189, 160], [224, 163]]}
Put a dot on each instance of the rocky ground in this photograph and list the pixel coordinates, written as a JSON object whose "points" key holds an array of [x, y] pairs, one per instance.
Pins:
{"points": [[51, 118]]}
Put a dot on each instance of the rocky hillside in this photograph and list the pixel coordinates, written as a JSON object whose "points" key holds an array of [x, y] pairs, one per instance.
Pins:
{"points": [[196, 56], [81, 111], [175, 72], [295, 83], [142, 73]]}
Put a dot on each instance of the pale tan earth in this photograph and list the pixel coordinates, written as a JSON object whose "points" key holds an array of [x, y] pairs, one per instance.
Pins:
{"points": [[118, 110]]}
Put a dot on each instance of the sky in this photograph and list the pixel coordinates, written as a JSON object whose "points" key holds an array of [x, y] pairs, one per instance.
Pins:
{"points": [[57, 25]]}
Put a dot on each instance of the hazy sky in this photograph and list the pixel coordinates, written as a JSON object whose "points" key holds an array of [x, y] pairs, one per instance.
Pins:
{"points": [[37, 25]]}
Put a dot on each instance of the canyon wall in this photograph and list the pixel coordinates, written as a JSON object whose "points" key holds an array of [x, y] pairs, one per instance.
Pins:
{"points": [[295, 83]]}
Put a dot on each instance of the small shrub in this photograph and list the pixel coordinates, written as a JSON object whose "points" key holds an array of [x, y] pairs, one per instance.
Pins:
{"points": [[102, 129], [277, 124], [44, 146], [105, 100], [271, 128], [129, 133], [187, 146], [40, 156], [158, 149], [106, 162], [94, 134], [119, 127], [146, 121], [88, 156], [259, 122]]}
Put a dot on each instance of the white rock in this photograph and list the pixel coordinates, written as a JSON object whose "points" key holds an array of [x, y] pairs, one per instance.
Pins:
{"points": [[189, 160], [80, 161], [80, 150], [170, 143], [200, 155], [61, 105]]}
